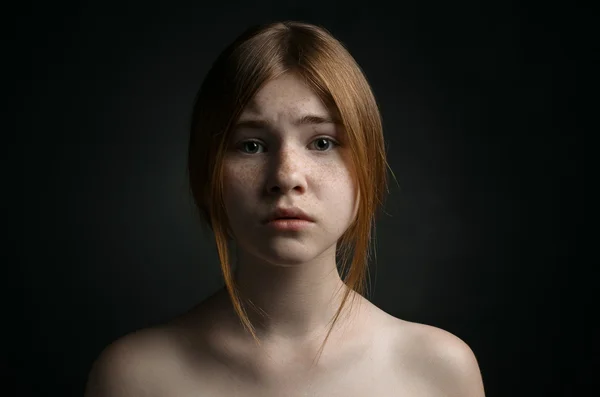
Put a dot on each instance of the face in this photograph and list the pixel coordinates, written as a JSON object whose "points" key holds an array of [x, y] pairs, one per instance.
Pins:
{"points": [[274, 161]]}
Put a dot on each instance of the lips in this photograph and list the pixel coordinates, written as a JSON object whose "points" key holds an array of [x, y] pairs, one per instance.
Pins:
{"points": [[288, 213]]}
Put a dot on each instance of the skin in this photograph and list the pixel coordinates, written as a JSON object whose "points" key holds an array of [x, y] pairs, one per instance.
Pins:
{"points": [[286, 165], [292, 276]]}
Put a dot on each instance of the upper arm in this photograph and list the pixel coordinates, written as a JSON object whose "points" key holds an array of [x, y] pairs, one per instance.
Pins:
{"points": [[439, 362], [119, 371], [455, 370]]}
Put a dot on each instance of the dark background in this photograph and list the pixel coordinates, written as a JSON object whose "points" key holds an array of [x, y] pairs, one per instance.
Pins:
{"points": [[480, 237]]}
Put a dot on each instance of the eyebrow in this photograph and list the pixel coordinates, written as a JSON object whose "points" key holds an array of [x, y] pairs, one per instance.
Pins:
{"points": [[309, 119]]}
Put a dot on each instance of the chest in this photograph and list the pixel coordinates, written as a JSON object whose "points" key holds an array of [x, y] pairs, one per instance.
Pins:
{"points": [[374, 374], [354, 382], [383, 384]]}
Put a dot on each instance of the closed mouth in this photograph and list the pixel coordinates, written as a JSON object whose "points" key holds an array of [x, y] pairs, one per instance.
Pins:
{"points": [[288, 214]]}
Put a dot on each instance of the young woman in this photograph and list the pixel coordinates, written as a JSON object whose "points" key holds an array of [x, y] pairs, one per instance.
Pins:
{"points": [[287, 166]]}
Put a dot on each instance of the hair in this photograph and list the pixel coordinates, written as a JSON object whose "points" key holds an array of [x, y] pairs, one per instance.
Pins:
{"points": [[263, 53]]}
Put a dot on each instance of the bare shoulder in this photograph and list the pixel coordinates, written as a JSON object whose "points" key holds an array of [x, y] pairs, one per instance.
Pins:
{"points": [[133, 365], [443, 360]]}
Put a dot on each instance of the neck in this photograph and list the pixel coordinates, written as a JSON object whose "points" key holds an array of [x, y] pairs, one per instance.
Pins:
{"points": [[293, 302]]}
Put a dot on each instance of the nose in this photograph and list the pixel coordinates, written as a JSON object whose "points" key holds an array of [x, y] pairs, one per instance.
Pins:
{"points": [[287, 170]]}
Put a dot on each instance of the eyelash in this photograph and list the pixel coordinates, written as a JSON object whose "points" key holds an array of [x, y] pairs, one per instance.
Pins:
{"points": [[334, 144]]}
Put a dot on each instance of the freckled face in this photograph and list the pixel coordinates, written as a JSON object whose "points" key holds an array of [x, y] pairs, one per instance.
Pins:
{"points": [[273, 161]]}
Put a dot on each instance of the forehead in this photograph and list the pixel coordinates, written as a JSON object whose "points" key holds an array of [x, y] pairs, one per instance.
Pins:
{"points": [[284, 98]]}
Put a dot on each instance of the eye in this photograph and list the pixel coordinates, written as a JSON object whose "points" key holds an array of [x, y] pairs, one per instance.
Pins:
{"points": [[252, 144], [320, 141], [323, 144]]}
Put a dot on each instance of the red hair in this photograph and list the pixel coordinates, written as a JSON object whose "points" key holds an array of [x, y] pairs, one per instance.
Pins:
{"points": [[263, 53]]}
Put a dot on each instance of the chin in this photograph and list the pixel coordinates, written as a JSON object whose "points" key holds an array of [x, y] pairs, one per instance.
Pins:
{"points": [[286, 258], [284, 253]]}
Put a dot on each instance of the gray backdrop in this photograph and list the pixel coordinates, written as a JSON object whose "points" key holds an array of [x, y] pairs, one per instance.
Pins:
{"points": [[480, 236]]}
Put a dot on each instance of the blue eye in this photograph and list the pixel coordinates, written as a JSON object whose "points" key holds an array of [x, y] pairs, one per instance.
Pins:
{"points": [[331, 142], [255, 144]]}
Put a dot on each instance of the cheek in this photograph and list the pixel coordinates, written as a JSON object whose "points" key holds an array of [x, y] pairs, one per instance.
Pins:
{"points": [[342, 194], [238, 182]]}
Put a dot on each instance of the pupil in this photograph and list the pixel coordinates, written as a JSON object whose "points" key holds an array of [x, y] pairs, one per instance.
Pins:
{"points": [[323, 141], [253, 145]]}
